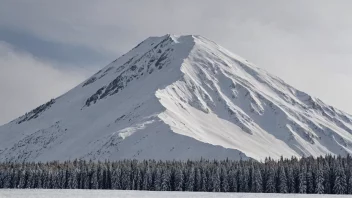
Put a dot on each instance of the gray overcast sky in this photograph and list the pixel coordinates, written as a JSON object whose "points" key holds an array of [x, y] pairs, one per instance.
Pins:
{"points": [[47, 47]]}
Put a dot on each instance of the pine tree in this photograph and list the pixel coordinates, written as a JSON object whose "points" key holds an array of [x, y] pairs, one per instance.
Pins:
{"points": [[16, 178], [165, 180], [282, 181], [147, 179], [216, 180], [197, 180], [125, 178], [100, 176], [5, 180], [319, 181], [257, 182], [204, 181], [302, 181], [232, 178], [327, 179], [138, 179], [349, 184], [310, 181], [115, 178], [340, 183], [190, 179], [157, 180], [290, 180], [210, 180], [178, 180], [93, 179], [243, 180], [270, 180], [224, 184]]}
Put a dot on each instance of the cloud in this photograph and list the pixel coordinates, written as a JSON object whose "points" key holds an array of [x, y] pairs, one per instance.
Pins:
{"points": [[27, 82], [65, 53]]}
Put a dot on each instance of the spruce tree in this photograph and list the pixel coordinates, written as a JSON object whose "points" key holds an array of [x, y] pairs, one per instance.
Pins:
{"points": [[349, 183], [233, 180], [319, 181], [210, 180], [257, 182], [147, 179], [216, 180], [327, 179], [282, 181], [340, 183], [165, 180], [310, 180], [224, 184], [157, 180], [115, 178], [178, 180], [189, 185], [302, 181], [197, 180], [290, 180], [270, 180], [204, 180], [138, 179], [243, 182]]}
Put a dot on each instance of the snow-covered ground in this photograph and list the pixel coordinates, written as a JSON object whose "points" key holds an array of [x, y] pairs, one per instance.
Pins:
{"points": [[9, 193], [178, 97]]}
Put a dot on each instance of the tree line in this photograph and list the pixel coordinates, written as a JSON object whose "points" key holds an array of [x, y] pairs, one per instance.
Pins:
{"points": [[322, 175]]}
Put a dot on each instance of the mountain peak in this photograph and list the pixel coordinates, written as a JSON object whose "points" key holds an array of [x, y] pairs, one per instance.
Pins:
{"points": [[178, 97]]}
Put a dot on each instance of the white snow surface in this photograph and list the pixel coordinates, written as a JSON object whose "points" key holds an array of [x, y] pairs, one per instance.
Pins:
{"points": [[178, 97], [25, 193]]}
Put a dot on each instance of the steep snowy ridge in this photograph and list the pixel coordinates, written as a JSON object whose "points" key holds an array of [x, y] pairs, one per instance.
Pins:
{"points": [[178, 97]]}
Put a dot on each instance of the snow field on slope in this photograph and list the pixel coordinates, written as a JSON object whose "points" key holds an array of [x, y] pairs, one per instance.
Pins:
{"points": [[187, 111], [178, 97], [25, 193]]}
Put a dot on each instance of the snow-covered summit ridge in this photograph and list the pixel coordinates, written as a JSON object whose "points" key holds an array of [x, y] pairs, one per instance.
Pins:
{"points": [[178, 97]]}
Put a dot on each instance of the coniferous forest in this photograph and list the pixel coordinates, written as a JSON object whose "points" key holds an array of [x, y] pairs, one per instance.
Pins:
{"points": [[323, 175]]}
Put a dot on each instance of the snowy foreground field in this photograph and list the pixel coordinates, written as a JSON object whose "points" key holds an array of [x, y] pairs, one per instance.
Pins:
{"points": [[10, 193]]}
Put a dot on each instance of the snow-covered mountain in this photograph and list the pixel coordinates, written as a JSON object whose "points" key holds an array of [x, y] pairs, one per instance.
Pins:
{"points": [[178, 97]]}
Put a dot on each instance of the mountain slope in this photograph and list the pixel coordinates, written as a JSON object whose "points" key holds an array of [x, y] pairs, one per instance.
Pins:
{"points": [[178, 97]]}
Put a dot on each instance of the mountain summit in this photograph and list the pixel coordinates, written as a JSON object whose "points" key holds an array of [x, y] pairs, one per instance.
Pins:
{"points": [[178, 97]]}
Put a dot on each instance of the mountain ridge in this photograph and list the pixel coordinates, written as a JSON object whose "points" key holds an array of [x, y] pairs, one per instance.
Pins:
{"points": [[178, 97]]}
